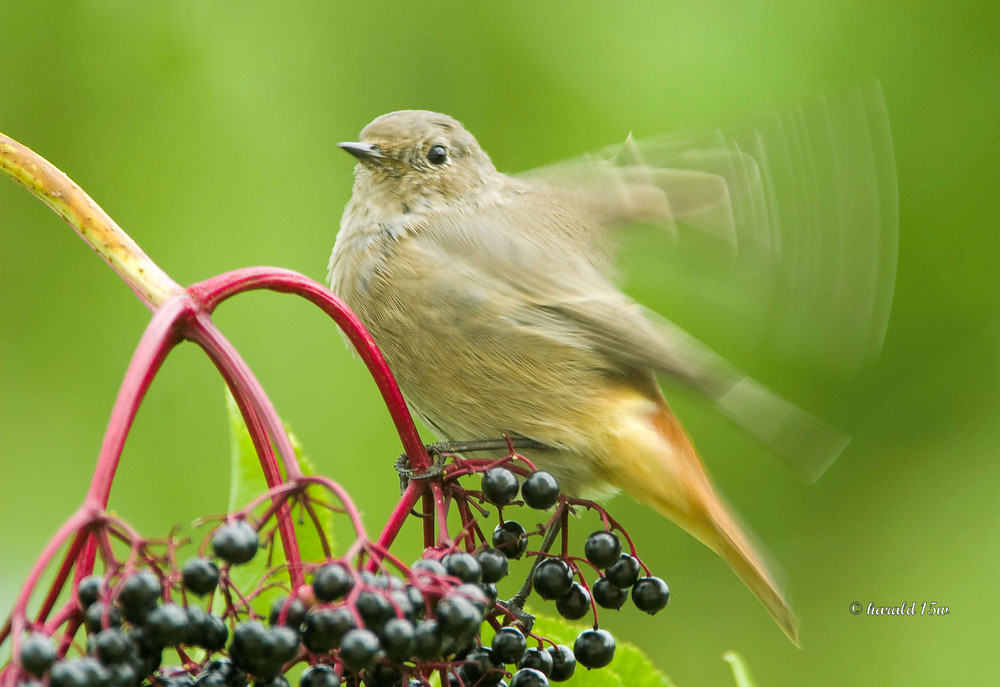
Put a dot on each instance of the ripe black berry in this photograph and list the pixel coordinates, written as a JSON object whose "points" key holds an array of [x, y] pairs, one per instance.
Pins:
{"points": [[500, 486], [429, 565], [508, 645], [99, 616], [540, 490], [552, 578], [281, 646], [602, 549], [332, 582], [319, 675], [383, 675], [458, 616], [650, 594], [89, 591], [624, 573], [324, 629], [206, 630], [124, 674], [397, 639], [563, 663], [248, 644], [138, 596], [37, 654], [375, 609], [510, 538], [111, 646], [539, 659], [358, 648], [273, 681], [575, 603], [78, 672], [167, 624], [427, 640], [235, 542], [464, 566], [529, 677], [493, 564], [201, 576], [294, 616], [594, 648], [490, 590], [482, 668], [608, 595]]}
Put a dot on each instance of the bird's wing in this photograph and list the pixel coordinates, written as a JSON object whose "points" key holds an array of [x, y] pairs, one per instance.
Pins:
{"points": [[786, 229], [532, 276]]}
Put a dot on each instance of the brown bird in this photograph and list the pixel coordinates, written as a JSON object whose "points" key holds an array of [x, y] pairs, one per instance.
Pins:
{"points": [[492, 300]]}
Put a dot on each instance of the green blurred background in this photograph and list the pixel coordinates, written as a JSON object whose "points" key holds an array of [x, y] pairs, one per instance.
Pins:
{"points": [[207, 131]]}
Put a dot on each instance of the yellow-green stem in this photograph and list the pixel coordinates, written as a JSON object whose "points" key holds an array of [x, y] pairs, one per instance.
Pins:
{"points": [[55, 189]]}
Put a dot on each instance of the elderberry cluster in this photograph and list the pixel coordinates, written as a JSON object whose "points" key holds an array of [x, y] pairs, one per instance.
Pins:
{"points": [[364, 621]]}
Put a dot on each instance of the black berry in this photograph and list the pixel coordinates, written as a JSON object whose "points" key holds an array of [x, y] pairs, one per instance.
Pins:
{"points": [[481, 667], [332, 582], [624, 573], [540, 490], [397, 639], [500, 486], [429, 565], [458, 616], [539, 659], [201, 576], [575, 603], [608, 595], [138, 596], [650, 594], [111, 646], [99, 616], [493, 564], [37, 654], [167, 624], [529, 677], [594, 648], [464, 566], [375, 609], [510, 538], [602, 549], [563, 663], [235, 542], [508, 645], [427, 640], [358, 648], [319, 675], [88, 592], [323, 630], [294, 616], [206, 630], [552, 578]]}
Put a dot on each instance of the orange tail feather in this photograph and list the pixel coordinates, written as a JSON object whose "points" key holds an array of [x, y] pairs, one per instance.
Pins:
{"points": [[655, 462]]}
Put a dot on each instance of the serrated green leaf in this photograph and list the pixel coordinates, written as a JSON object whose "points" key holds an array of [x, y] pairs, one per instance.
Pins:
{"points": [[741, 673], [630, 667], [247, 483]]}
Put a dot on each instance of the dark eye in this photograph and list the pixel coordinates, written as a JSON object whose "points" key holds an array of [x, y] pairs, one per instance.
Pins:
{"points": [[437, 155]]}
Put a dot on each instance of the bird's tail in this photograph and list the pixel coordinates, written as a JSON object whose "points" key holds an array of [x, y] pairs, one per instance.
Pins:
{"points": [[655, 462]]}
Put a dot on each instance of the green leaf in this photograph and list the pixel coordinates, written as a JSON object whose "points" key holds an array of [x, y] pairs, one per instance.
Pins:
{"points": [[630, 667], [247, 483], [740, 671]]}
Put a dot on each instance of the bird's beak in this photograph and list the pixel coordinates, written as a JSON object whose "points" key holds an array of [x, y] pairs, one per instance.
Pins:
{"points": [[362, 151]]}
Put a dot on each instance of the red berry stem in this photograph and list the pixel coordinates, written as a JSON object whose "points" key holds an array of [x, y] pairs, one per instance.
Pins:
{"points": [[213, 291]]}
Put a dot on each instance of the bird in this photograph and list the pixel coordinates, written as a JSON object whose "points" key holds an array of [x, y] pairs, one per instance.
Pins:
{"points": [[493, 299]]}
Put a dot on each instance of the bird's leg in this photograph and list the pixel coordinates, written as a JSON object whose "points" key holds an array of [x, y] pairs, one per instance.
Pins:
{"points": [[442, 449]]}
